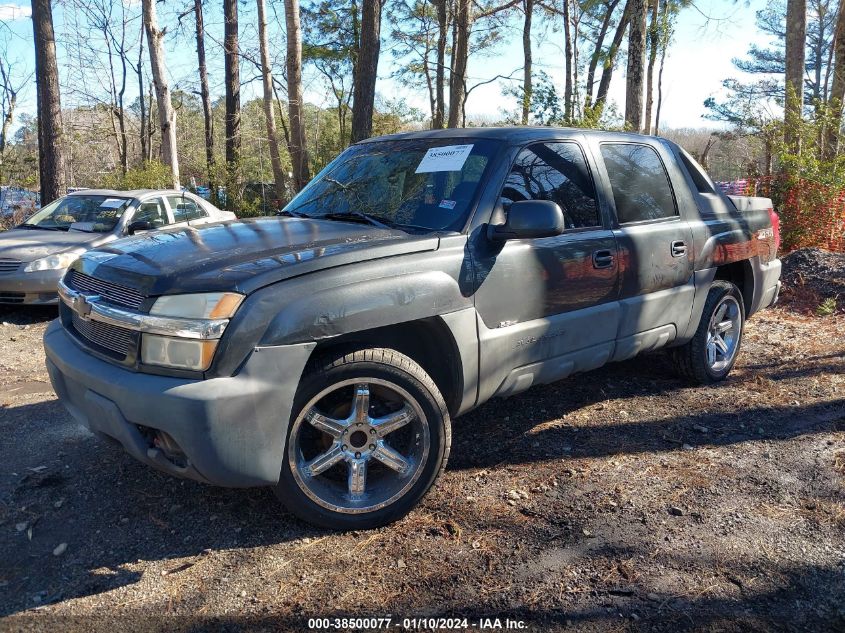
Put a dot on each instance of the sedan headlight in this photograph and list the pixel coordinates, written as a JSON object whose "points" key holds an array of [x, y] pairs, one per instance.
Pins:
{"points": [[181, 352], [53, 262]]}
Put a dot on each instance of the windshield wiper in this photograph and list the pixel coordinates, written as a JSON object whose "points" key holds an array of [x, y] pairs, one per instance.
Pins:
{"points": [[292, 214], [357, 215], [41, 228]]}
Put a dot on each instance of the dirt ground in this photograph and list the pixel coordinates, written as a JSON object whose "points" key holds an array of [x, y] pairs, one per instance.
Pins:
{"points": [[620, 500]]}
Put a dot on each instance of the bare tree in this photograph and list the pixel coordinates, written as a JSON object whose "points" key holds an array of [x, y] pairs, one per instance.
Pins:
{"points": [[297, 144], [460, 53], [528, 10], [166, 113], [636, 66], [796, 37], [653, 41], [10, 88], [51, 160], [598, 51], [837, 89], [364, 90], [610, 59], [269, 107], [233, 104], [440, 73]]}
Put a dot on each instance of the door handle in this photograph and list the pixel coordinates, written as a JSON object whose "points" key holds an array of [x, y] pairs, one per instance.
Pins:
{"points": [[602, 259], [679, 248]]}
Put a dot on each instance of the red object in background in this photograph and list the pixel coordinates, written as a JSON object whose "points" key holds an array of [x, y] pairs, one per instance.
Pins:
{"points": [[775, 227]]}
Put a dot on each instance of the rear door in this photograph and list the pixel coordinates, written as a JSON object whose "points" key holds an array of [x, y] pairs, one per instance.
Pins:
{"points": [[655, 248]]}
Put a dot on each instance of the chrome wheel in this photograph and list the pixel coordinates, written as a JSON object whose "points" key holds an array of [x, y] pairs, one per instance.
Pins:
{"points": [[723, 334], [358, 445]]}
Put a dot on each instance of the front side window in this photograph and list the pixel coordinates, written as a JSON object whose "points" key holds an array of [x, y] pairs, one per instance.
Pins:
{"points": [[152, 211], [92, 214], [641, 189], [417, 184], [184, 209], [556, 172]]}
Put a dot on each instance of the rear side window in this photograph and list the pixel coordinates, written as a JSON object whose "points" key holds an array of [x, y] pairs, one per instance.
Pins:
{"points": [[152, 211], [556, 172], [185, 209], [639, 181]]}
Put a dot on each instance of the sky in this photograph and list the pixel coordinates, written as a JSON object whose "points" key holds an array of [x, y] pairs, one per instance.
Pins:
{"points": [[707, 37]]}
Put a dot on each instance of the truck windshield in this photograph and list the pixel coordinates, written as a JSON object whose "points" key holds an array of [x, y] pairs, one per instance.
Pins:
{"points": [[93, 214], [421, 184]]}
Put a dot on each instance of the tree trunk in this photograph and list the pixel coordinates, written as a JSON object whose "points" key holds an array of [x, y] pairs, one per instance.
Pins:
{"points": [[440, 75], [653, 39], [233, 104], [460, 55], [269, 110], [51, 163], [166, 113], [636, 66], [567, 86], [205, 95], [366, 71], [141, 103], [610, 60], [796, 35], [298, 149], [837, 89], [660, 75], [528, 8], [597, 52]]}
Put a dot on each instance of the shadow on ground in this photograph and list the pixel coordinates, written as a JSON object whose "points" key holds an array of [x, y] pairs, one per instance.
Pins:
{"points": [[70, 487]]}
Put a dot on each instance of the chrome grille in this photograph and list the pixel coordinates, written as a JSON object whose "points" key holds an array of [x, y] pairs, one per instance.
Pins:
{"points": [[116, 339], [9, 265], [111, 292]]}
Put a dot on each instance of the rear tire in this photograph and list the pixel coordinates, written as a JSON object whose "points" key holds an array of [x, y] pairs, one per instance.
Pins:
{"points": [[711, 353], [369, 435]]}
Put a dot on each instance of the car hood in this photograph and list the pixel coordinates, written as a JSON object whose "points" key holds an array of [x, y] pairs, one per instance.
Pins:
{"points": [[242, 255], [27, 245]]}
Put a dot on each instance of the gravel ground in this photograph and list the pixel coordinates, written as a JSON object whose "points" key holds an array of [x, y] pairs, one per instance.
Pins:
{"points": [[616, 500]]}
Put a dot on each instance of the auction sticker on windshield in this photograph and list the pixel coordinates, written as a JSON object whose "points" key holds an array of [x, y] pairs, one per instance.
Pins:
{"points": [[113, 203], [446, 158]]}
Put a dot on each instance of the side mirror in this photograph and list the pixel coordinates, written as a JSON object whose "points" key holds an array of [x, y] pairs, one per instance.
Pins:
{"points": [[529, 219], [140, 225]]}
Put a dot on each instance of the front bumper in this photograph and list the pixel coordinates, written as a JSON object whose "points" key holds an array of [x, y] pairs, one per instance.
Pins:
{"points": [[231, 430], [38, 288]]}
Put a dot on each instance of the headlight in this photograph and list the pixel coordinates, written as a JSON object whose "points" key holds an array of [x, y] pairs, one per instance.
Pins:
{"points": [[53, 262], [180, 353], [187, 353], [208, 305]]}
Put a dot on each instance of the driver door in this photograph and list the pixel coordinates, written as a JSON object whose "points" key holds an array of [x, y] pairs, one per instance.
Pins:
{"points": [[549, 306]]}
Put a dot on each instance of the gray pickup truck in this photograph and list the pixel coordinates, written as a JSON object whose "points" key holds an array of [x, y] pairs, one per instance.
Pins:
{"points": [[325, 352]]}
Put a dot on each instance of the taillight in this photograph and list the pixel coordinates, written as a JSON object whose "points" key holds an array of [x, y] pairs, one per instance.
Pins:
{"points": [[775, 218]]}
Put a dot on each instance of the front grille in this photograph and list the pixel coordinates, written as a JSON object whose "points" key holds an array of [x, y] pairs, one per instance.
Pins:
{"points": [[12, 297], [9, 265], [111, 292], [115, 339]]}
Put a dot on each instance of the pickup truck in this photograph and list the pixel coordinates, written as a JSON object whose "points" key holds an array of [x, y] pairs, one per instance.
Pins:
{"points": [[325, 352]]}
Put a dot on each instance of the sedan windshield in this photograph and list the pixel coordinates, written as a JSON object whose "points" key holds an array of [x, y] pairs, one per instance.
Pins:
{"points": [[419, 184], [90, 213]]}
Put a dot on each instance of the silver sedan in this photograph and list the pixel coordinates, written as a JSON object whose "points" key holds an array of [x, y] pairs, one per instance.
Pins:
{"points": [[35, 254]]}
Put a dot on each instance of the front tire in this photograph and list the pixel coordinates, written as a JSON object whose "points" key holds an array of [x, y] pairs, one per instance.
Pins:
{"points": [[369, 435], [710, 355]]}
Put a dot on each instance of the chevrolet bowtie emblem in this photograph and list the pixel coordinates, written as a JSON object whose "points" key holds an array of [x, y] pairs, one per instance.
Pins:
{"points": [[82, 305]]}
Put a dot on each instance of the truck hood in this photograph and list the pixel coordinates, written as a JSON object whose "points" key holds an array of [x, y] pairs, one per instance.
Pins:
{"points": [[242, 255], [27, 245]]}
